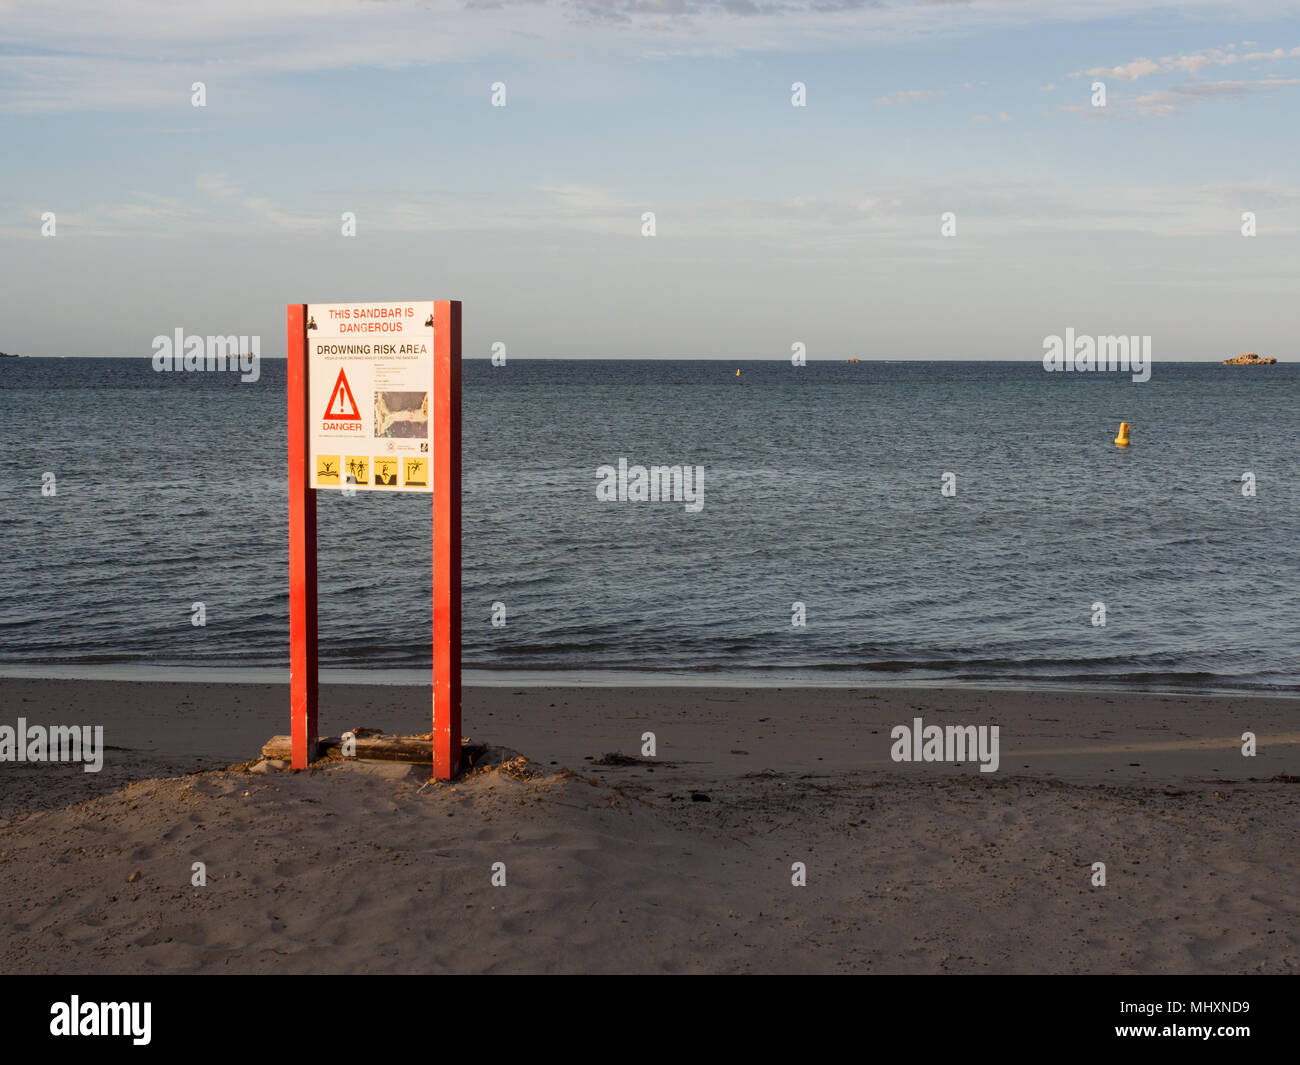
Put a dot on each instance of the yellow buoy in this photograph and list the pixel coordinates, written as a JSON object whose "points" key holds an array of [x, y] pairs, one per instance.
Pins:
{"points": [[1122, 439], [737, 371]]}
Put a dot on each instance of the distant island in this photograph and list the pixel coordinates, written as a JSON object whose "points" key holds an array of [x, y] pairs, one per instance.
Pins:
{"points": [[6, 355], [1250, 359]]}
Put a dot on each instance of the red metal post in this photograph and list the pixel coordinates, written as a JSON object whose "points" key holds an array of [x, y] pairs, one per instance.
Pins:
{"points": [[304, 678], [446, 539]]}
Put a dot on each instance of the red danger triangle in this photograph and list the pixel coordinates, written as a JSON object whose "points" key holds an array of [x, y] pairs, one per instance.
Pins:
{"points": [[342, 405]]}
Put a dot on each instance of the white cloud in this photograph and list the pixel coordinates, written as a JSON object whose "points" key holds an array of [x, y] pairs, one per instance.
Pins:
{"points": [[1128, 72], [899, 207], [87, 55], [1191, 63], [1163, 102], [906, 95], [1156, 104]]}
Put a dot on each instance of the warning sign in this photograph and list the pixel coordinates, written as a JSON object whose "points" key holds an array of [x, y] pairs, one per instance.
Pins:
{"points": [[385, 472], [342, 406], [370, 383], [416, 473], [374, 403], [327, 470], [357, 471]]}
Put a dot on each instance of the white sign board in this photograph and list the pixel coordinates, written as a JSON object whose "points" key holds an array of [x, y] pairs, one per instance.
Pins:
{"points": [[370, 383]]}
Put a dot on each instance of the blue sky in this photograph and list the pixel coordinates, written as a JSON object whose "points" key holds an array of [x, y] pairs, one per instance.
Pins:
{"points": [[775, 224]]}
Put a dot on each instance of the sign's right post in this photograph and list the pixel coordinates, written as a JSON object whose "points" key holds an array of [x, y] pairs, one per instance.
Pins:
{"points": [[446, 539]]}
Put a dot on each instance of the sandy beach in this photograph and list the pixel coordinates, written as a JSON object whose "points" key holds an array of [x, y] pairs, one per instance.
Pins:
{"points": [[681, 863]]}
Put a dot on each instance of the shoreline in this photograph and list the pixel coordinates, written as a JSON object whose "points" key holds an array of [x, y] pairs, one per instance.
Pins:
{"points": [[612, 678], [166, 728]]}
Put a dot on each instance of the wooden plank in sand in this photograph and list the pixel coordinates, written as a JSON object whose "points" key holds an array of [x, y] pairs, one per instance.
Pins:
{"points": [[369, 748]]}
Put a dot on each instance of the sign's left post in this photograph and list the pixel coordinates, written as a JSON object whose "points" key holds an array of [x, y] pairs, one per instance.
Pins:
{"points": [[304, 676]]}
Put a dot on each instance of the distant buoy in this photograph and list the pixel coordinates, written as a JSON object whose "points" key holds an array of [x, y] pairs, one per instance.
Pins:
{"points": [[737, 371], [1122, 439]]}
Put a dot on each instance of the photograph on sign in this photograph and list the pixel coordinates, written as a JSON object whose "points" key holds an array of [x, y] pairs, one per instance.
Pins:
{"points": [[404, 414], [370, 376]]}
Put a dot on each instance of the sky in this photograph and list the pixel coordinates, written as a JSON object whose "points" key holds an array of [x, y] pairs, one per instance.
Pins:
{"points": [[774, 224]]}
